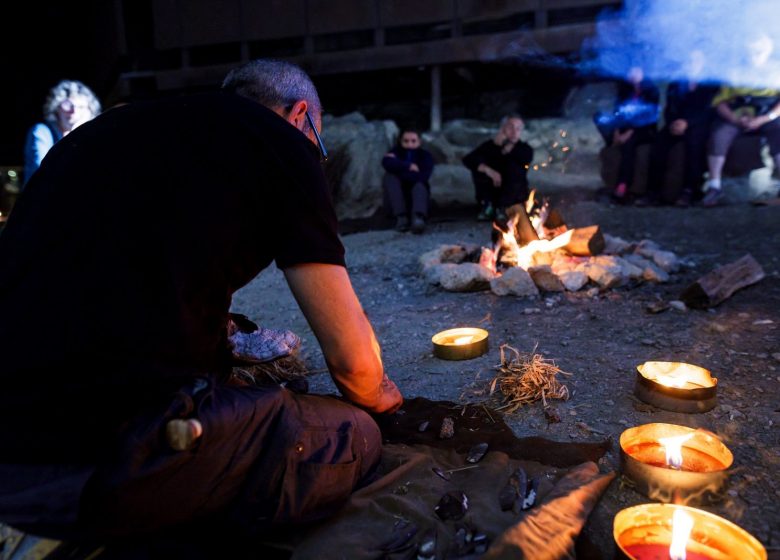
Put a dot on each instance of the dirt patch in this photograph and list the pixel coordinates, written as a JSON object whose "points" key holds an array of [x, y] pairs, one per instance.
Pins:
{"points": [[599, 339]]}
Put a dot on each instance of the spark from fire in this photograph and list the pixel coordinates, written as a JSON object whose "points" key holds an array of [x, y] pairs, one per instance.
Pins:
{"points": [[682, 525], [673, 449]]}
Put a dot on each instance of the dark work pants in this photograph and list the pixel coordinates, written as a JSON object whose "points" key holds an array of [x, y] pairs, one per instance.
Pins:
{"points": [[510, 192], [642, 135], [695, 140], [267, 457], [403, 194]]}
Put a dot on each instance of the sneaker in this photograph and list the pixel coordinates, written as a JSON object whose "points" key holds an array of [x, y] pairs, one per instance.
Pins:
{"points": [[620, 191], [501, 216], [401, 223], [418, 224], [712, 198], [486, 214]]}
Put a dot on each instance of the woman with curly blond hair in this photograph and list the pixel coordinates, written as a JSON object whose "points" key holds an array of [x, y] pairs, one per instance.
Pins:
{"points": [[69, 104]]}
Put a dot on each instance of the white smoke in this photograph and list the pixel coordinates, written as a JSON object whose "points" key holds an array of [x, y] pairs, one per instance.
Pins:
{"points": [[735, 41]]}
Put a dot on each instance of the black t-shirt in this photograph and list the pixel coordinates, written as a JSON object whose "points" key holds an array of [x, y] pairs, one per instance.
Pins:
{"points": [[118, 263]]}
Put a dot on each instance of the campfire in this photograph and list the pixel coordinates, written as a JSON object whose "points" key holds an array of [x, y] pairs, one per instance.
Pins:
{"points": [[537, 251]]}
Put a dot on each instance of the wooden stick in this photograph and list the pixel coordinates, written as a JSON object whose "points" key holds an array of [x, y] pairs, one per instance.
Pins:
{"points": [[720, 284]]}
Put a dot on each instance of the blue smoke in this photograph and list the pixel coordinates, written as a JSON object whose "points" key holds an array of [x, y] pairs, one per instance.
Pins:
{"points": [[737, 41]]}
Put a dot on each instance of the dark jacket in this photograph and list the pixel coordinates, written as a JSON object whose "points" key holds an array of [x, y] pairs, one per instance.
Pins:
{"points": [[399, 165], [693, 106], [512, 166]]}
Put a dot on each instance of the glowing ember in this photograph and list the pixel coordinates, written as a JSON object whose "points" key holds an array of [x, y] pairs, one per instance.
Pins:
{"points": [[673, 449], [682, 525]]}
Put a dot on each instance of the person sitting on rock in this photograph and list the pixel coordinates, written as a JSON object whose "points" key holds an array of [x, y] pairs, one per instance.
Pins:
{"points": [[744, 110], [499, 168], [687, 117], [406, 186], [631, 124]]}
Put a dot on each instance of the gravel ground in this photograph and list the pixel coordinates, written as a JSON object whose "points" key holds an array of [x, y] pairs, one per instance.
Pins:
{"points": [[600, 340]]}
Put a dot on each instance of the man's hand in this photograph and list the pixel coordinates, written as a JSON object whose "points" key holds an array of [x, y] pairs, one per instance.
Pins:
{"points": [[756, 122], [494, 175], [389, 154], [325, 295], [678, 127], [620, 138], [413, 167]]}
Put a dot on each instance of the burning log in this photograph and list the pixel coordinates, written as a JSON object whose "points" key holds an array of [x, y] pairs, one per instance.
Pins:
{"points": [[586, 241], [524, 229], [718, 285]]}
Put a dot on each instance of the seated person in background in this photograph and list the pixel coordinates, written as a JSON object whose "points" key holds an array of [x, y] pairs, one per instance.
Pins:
{"points": [[743, 110], [499, 168], [409, 168], [631, 124], [67, 105], [687, 118]]}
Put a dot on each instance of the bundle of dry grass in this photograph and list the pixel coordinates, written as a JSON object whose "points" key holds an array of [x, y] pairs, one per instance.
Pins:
{"points": [[525, 378], [286, 368]]}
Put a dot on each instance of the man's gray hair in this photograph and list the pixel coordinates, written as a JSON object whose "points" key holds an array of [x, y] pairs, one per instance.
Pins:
{"points": [[508, 118], [273, 83], [64, 90]]}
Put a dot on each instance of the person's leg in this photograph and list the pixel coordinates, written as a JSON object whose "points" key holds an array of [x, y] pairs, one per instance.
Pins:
{"points": [[266, 455], [659, 155], [695, 162], [420, 204], [721, 138], [394, 193], [771, 131], [483, 191]]}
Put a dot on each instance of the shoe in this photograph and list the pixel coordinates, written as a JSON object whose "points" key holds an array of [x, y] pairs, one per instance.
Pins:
{"points": [[501, 216], [486, 214], [712, 198], [401, 223], [418, 224], [620, 191]]}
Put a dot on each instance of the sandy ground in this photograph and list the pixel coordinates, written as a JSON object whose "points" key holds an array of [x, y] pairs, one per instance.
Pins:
{"points": [[600, 340]]}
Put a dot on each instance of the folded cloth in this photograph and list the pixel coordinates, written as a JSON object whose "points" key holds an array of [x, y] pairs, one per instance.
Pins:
{"points": [[264, 345]]}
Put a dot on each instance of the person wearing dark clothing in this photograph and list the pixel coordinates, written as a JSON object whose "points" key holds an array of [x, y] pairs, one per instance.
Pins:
{"points": [[116, 313], [499, 168], [408, 169], [631, 124], [687, 118]]}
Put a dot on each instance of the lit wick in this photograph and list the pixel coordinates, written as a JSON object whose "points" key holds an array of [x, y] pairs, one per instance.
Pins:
{"points": [[673, 449], [682, 525]]}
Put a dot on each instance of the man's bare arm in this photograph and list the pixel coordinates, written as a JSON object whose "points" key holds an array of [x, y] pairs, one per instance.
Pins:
{"points": [[325, 295]]}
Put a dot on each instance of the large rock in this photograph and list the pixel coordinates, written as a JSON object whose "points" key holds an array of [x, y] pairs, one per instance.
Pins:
{"points": [[452, 184], [465, 277], [358, 145], [545, 279], [516, 282]]}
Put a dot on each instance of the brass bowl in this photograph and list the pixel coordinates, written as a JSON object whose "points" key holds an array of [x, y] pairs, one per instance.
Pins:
{"points": [[462, 343]]}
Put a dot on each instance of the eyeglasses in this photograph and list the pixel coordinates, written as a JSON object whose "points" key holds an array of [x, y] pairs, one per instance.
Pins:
{"points": [[320, 145]]}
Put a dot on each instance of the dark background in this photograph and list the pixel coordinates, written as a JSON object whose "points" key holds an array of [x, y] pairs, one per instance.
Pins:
{"points": [[44, 42]]}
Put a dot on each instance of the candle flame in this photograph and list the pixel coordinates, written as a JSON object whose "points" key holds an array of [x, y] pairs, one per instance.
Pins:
{"points": [[673, 449], [462, 340], [682, 525]]}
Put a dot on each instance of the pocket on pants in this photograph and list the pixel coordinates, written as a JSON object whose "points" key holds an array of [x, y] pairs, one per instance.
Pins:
{"points": [[314, 489]]}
